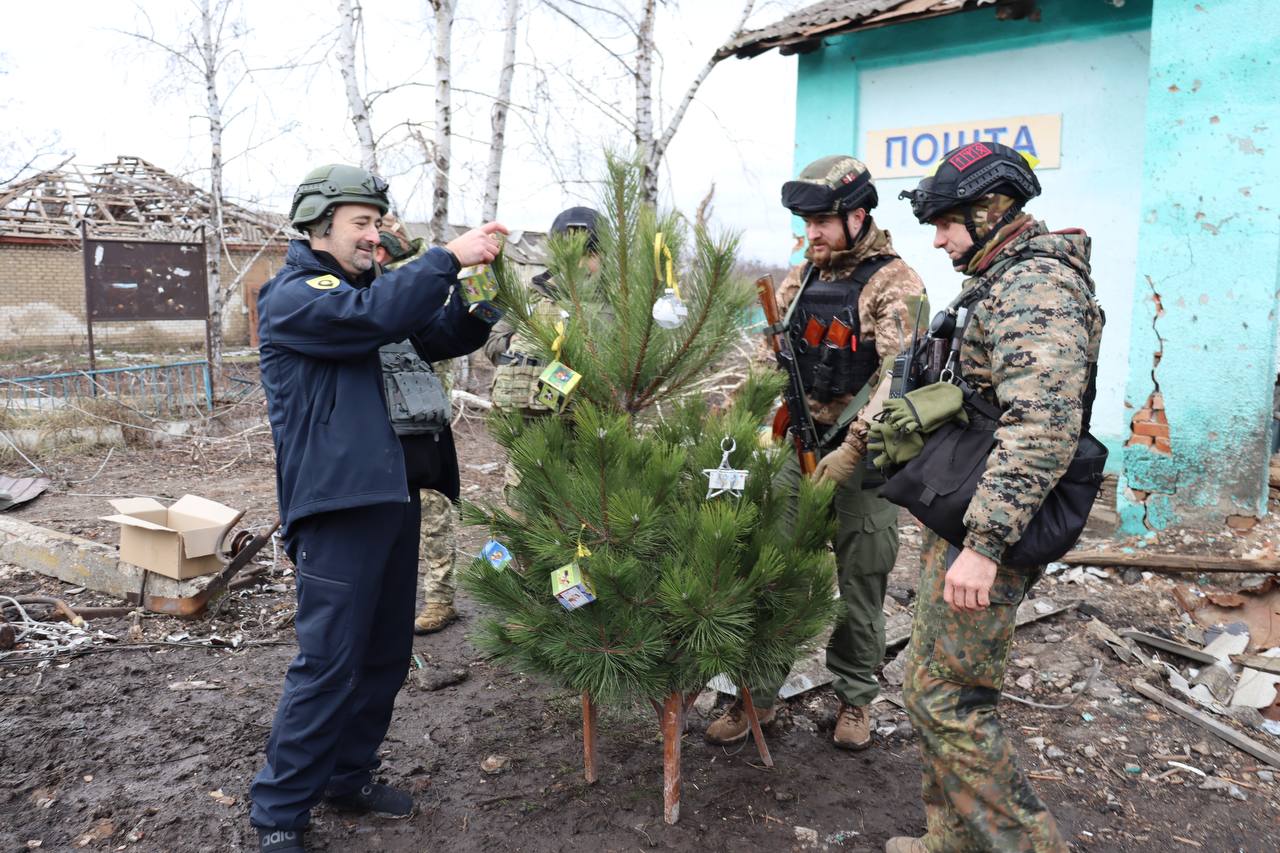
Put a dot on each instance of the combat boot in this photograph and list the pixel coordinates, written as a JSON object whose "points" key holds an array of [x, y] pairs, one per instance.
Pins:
{"points": [[853, 727], [903, 844], [733, 726], [434, 617]]}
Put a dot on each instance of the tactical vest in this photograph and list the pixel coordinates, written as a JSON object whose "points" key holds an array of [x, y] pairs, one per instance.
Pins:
{"points": [[416, 400], [829, 371]]}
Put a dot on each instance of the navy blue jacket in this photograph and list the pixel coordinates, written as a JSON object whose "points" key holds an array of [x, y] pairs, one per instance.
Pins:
{"points": [[319, 334]]}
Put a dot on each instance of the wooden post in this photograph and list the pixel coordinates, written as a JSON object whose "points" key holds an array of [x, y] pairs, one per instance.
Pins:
{"points": [[754, 719], [672, 731], [588, 738]]}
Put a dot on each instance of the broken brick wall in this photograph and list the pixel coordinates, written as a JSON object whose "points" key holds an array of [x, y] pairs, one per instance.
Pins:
{"points": [[1202, 347]]}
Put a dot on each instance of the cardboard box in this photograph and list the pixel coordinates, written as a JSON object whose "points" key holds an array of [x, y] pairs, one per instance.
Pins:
{"points": [[179, 541]]}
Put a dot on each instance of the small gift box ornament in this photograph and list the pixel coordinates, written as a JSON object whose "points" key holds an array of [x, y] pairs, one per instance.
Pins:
{"points": [[555, 384], [478, 283], [496, 554], [572, 587]]}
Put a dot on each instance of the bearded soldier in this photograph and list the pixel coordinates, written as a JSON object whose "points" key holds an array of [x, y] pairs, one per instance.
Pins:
{"points": [[854, 280], [1027, 348]]}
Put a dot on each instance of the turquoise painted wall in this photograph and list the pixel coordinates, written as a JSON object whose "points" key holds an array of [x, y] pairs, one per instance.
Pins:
{"points": [[1204, 320], [942, 69]]}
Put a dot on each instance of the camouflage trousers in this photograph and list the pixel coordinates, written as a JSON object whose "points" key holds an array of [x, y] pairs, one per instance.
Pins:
{"points": [[437, 547], [866, 547], [975, 798]]}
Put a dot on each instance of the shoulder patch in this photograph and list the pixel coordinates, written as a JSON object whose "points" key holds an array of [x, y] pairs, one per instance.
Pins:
{"points": [[324, 282]]}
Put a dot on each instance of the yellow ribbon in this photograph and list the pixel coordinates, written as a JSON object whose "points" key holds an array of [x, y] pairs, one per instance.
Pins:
{"points": [[661, 248], [558, 342], [582, 549]]}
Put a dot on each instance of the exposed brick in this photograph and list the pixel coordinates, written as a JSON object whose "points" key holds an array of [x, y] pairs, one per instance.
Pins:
{"points": [[1152, 429], [1241, 522], [1139, 441], [1162, 445]]}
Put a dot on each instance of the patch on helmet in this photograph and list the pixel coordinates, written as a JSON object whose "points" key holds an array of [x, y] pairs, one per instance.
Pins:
{"points": [[849, 178], [968, 155], [324, 282]]}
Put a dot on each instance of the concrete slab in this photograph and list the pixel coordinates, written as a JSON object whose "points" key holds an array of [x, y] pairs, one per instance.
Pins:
{"points": [[84, 562]]}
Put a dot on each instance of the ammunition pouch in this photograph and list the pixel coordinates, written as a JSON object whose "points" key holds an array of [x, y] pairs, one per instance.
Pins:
{"points": [[515, 386], [416, 400]]}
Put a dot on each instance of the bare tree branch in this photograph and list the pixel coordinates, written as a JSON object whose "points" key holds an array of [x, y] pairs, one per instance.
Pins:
{"points": [[493, 177]]}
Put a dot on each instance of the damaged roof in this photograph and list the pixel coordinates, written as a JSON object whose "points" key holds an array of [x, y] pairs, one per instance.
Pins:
{"points": [[803, 31], [130, 199]]}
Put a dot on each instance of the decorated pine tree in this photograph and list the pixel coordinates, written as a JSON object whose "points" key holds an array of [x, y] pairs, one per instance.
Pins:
{"points": [[670, 567]]}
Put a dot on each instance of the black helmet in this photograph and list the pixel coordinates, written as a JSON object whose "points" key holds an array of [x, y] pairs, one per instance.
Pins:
{"points": [[332, 185], [831, 185], [968, 173], [578, 219]]}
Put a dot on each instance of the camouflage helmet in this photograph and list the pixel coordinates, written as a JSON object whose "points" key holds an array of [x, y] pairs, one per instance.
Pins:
{"points": [[332, 185], [396, 246], [968, 173], [832, 185]]}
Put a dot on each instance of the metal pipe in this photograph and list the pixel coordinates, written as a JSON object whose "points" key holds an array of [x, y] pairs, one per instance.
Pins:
{"points": [[58, 605]]}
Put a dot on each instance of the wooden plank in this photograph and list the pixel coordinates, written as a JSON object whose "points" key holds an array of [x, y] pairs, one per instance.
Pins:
{"points": [[1258, 662], [1188, 652], [1171, 563], [1221, 730]]}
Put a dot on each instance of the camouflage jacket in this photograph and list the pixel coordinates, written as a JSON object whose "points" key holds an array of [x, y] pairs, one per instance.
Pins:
{"points": [[886, 310], [515, 386], [1027, 350]]}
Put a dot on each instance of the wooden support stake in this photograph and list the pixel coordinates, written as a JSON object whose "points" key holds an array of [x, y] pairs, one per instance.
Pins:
{"points": [[754, 719], [1172, 563], [1230, 735], [589, 738], [672, 731]]}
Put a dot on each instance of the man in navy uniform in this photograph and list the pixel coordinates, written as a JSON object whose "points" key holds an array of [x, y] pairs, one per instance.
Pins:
{"points": [[350, 519]]}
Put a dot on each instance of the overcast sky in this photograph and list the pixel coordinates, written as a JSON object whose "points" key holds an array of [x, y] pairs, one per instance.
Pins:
{"points": [[93, 91]]}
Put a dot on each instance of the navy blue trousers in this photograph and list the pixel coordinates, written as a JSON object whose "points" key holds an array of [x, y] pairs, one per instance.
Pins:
{"points": [[357, 573]]}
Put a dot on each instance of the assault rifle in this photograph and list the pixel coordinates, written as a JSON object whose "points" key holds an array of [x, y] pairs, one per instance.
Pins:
{"points": [[801, 424]]}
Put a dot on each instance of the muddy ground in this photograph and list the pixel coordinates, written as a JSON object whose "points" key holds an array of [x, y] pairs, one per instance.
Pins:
{"points": [[101, 751]]}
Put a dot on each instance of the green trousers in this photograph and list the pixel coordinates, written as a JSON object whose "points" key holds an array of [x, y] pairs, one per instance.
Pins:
{"points": [[866, 547], [975, 798]]}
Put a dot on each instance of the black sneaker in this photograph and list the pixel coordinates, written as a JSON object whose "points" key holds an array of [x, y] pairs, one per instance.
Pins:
{"points": [[280, 841], [376, 799]]}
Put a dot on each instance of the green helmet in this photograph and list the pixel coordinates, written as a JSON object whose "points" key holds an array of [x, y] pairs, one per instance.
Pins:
{"points": [[332, 185]]}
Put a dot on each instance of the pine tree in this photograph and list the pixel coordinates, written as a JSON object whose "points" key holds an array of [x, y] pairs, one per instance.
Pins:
{"points": [[686, 586]]}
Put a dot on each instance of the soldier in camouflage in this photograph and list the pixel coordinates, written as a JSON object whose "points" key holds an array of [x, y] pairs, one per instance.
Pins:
{"points": [[437, 541], [516, 370], [1028, 349], [861, 278]]}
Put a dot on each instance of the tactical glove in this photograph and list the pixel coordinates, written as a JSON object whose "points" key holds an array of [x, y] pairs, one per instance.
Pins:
{"points": [[925, 409], [837, 466], [891, 447]]}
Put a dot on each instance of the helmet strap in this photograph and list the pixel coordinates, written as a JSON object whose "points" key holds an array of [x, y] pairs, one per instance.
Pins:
{"points": [[849, 239], [980, 242]]}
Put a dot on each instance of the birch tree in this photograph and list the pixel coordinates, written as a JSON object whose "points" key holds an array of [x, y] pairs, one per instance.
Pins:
{"points": [[651, 143], [444, 119], [204, 52], [497, 142], [349, 16]]}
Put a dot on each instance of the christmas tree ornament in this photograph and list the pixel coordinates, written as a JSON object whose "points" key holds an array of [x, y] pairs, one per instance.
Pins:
{"points": [[478, 284], [725, 479], [558, 380], [669, 311], [496, 554], [571, 586]]}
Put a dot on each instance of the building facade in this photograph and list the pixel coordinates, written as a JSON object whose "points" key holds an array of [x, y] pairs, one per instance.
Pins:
{"points": [[1153, 124]]}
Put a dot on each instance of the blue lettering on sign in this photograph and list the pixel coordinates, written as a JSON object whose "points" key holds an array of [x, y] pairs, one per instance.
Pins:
{"points": [[888, 150], [1024, 142], [933, 151], [993, 133]]}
